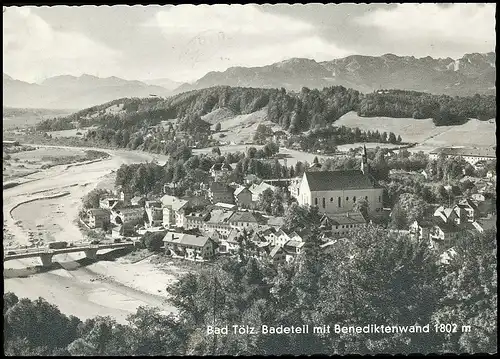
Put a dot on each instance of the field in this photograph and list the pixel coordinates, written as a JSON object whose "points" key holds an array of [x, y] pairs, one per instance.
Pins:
{"points": [[238, 129], [70, 133], [424, 132], [15, 117]]}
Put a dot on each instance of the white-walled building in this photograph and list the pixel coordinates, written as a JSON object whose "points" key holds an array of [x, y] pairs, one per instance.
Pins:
{"points": [[471, 155], [338, 191]]}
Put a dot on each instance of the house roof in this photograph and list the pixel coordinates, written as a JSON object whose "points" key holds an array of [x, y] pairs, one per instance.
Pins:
{"points": [[224, 205], [488, 223], [338, 180], [221, 166], [219, 216], [448, 227], [275, 221], [136, 198], [247, 217], [128, 210], [240, 190], [294, 243], [174, 202], [257, 189], [467, 202], [466, 152], [185, 239], [233, 234], [98, 212], [220, 187], [346, 218], [275, 251]]}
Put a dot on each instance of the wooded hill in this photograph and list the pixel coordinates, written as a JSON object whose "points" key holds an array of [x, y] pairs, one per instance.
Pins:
{"points": [[293, 111]]}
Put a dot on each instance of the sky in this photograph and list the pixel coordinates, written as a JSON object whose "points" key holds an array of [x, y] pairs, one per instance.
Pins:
{"points": [[184, 42]]}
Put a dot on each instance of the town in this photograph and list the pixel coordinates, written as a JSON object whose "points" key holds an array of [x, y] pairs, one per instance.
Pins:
{"points": [[214, 222]]}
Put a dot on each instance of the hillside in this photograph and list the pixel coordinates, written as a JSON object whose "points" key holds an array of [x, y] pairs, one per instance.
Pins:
{"points": [[63, 92], [25, 117], [471, 74], [190, 118], [425, 132]]}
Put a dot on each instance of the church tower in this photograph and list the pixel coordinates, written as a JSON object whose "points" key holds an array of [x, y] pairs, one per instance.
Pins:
{"points": [[364, 162]]}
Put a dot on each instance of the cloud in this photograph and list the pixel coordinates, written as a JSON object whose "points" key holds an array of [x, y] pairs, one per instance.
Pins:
{"points": [[34, 50], [466, 23], [238, 19], [213, 38]]}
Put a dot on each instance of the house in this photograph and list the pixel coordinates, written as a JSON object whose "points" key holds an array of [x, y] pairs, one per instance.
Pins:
{"points": [[478, 197], [292, 249], [189, 246], [220, 169], [471, 155], [125, 196], [137, 200], [230, 244], [340, 224], [466, 210], [485, 224], [246, 220], [109, 203], [275, 222], [442, 235], [219, 220], [243, 196], [224, 206], [128, 217], [314, 167], [420, 230], [219, 192], [250, 179], [98, 217], [447, 215], [258, 189], [278, 255], [154, 212], [194, 220], [294, 187], [173, 208]]}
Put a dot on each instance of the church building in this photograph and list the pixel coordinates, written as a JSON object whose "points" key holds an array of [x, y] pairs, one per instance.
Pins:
{"points": [[338, 191]]}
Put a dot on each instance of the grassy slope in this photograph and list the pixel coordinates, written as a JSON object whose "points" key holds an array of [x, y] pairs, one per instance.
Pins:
{"points": [[473, 133]]}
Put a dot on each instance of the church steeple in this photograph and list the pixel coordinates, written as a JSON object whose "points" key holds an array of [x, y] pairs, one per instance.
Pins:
{"points": [[364, 161]]}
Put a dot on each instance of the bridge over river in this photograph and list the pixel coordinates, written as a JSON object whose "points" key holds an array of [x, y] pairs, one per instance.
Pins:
{"points": [[46, 254]]}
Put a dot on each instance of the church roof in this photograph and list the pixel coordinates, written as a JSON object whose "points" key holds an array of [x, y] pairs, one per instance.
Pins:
{"points": [[338, 180]]}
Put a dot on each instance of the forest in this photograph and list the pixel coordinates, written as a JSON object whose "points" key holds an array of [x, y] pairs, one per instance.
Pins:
{"points": [[374, 277]]}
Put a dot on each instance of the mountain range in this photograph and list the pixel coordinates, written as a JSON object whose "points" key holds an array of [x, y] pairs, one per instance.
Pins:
{"points": [[70, 92], [471, 74]]}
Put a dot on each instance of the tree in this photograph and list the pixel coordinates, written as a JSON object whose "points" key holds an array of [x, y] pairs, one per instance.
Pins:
{"points": [[153, 240], [362, 206], [156, 334], [266, 201], [251, 152], [216, 151], [470, 295], [91, 199], [218, 127]]}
